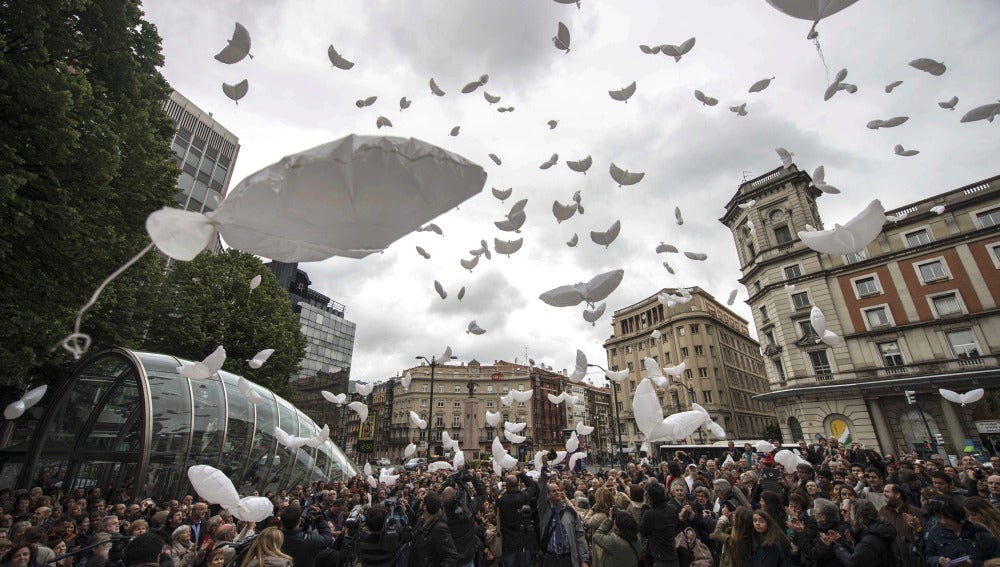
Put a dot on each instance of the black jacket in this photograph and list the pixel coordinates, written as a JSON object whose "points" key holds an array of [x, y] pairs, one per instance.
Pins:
{"points": [[519, 533], [432, 544], [874, 547], [462, 523], [373, 553], [303, 546], [659, 527]]}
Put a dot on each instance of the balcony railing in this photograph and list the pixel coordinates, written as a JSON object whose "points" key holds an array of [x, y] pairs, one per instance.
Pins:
{"points": [[956, 365]]}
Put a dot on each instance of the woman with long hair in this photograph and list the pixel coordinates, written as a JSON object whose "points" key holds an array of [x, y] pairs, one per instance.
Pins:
{"points": [[266, 550], [738, 545], [594, 518], [770, 545], [979, 511], [618, 541], [20, 555]]}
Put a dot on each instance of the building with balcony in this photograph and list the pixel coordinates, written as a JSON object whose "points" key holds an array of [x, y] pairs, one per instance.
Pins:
{"points": [[724, 371], [917, 309]]}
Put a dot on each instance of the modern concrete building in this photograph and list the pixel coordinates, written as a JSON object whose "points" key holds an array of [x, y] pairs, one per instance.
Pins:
{"points": [[917, 309], [724, 366]]}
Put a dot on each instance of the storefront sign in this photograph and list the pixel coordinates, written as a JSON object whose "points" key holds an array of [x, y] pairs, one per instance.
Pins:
{"points": [[992, 426]]}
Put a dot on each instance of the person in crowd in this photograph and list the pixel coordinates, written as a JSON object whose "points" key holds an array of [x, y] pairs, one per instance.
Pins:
{"points": [[659, 527], [952, 536], [516, 508], [771, 547], [19, 555], [184, 551], [598, 514], [102, 547], [266, 550], [618, 540], [461, 505], [145, 550], [304, 538], [563, 542], [979, 511], [432, 544], [874, 538]]}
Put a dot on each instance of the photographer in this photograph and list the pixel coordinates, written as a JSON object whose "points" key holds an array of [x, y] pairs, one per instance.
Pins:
{"points": [[371, 550], [517, 525], [305, 537], [432, 543], [460, 511]]}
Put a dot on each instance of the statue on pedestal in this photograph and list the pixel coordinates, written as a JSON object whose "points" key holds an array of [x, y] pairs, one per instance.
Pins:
{"points": [[471, 385]]}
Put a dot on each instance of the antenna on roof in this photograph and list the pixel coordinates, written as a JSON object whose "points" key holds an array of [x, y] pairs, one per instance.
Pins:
{"points": [[745, 173]]}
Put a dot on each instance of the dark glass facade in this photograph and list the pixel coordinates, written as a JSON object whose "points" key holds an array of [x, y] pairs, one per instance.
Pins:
{"points": [[129, 421]]}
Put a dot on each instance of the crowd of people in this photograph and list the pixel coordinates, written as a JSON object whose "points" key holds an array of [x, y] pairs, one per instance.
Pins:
{"points": [[840, 506]]}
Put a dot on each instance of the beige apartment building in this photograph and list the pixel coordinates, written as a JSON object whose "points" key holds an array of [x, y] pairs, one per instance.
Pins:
{"points": [[917, 308], [724, 370]]}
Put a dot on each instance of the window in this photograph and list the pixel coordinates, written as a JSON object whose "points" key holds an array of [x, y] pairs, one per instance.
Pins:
{"points": [[877, 317], [423, 388], [489, 403], [681, 332], [989, 218], [793, 271], [996, 255], [932, 271], [708, 396], [776, 215], [688, 373], [947, 304], [780, 370], [855, 257], [440, 389], [489, 389], [751, 250], [699, 350], [917, 238], [769, 335], [801, 300], [423, 403], [456, 421], [756, 286], [458, 389], [456, 404], [695, 329], [782, 234], [763, 313], [684, 352], [867, 286], [963, 343], [631, 385], [820, 364], [520, 387], [506, 389], [703, 372], [440, 403], [891, 355]]}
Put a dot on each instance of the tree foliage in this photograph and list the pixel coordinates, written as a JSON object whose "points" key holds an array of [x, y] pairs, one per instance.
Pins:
{"points": [[210, 304], [84, 158], [772, 431]]}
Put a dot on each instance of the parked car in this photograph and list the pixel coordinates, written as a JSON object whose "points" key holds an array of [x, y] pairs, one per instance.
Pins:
{"points": [[413, 463], [384, 462]]}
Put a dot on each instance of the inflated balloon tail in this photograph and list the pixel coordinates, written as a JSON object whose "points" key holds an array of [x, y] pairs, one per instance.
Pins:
{"points": [[819, 50], [76, 342]]}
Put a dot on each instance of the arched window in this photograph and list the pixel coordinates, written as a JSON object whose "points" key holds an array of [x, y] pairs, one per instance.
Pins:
{"points": [[796, 429]]}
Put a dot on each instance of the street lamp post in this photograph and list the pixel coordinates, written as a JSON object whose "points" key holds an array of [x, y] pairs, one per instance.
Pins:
{"points": [[433, 362], [617, 427]]}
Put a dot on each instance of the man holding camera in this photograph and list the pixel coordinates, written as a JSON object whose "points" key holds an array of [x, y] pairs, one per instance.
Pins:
{"points": [[305, 537], [564, 540], [460, 509], [372, 551], [432, 543], [517, 525]]}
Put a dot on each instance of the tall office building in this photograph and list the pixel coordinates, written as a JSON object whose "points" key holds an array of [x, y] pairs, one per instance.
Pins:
{"points": [[917, 309]]}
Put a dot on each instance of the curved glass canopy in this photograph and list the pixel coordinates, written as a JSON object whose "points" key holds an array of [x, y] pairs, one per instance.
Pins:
{"points": [[130, 422]]}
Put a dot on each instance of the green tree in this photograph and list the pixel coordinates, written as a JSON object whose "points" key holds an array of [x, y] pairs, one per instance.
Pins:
{"points": [[210, 304], [84, 158], [773, 431]]}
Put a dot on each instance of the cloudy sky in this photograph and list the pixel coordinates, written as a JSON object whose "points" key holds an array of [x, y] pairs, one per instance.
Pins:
{"points": [[694, 156]]}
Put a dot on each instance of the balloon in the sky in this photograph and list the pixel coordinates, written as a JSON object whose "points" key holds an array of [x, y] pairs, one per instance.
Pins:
{"points": [[364, 102], [423, 253], [496, 159], [491, 98], [237, 91], [446, 355], [505, 109], [812, 10], [563, 212], [623, 94], [649, 50], [552, 124], [238, 48], [404, 103], [889, 88], [561, 40], [984, 112], [406, 379], [207, 367], [677, 51], [705, 99], [514, 427], [624, 177], [716, 430], [493, 418], [514, 437], [518, 208], [435, 89], [431, 227], [289, 441], [580, 166], [338, 60], [214, 487], [550, 162], [260, 358], [678, 216], [502, 194], [900, 151], [656, 334], [929, 65], [740, 110], [764, 447], [937, 209], [699, 256], [747, 204], [501, 456], [17, 408], [178, 233], [817, 320], [513, 222], [597, 289], [786, 158], [666, 248], [360, 409], [507, 247], [520, 396], [760, 85], [416, 420], [949, 104], [338, 399], [732, 297], [475, 329], [255, 282], [364, 388], [788, 459], [573, 443], [247, 390], [970, 397], [447, 442], [440, 290], [383, 121], [349, 197], [850, 238], [890, 123], [669, 269], [616, 376], [409, 450], [454, 131], [789, 288], [592, 315], [577, 2], [539, 460], [607, 237], [572, 241], [819, 180], [439, 466]]}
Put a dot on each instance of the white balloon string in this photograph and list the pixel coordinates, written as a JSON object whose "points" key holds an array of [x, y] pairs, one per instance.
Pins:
{"points": [[819, 50], [73, 341]]}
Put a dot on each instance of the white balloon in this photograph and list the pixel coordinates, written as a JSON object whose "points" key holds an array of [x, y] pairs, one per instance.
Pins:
{"points": [[597, 289], [624, 177], [238, 47], [364, 388], [260, 358], [607, 237], [970, 397], [851, 238], [563, 212], [237, 91], [560, 456], [254, 282], [576, 457], [616, 376], [514, 427], [289, 441], [592, 315], [756, 88], [409, 450], [562, 39], [818, 320], [583, 429], [513, 437], [17, 408], [929, 65], [338, 399], [520, 396], [447, 442], [416, 420], [205, 368], [677, 51], [493, 418], [406, 379], [360, 409], [764, 447], [623, 94], [247, 390], [540, 459]]}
